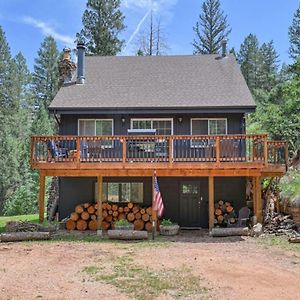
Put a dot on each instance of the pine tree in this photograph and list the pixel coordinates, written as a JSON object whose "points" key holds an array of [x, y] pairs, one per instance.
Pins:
{"points": [[211, 28], [45, 82], [102, 23], [294, 35], [249, 58], [268, 70]]}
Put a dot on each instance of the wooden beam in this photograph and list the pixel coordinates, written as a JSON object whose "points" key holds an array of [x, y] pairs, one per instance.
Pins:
{"points": [[149, 173], [99, 202], [257, 201], [211, 201], [42, 197]]}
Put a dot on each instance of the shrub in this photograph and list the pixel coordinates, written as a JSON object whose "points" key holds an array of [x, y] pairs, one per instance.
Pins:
{"points": [[122, 223], [166, 222], [290, 185]]}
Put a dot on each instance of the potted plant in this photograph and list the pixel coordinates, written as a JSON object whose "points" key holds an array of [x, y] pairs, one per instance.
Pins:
{"points": [[123, 225], [167, 227]]}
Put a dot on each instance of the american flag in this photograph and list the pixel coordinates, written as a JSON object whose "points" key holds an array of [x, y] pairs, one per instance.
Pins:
{"points": [[157, 199]]}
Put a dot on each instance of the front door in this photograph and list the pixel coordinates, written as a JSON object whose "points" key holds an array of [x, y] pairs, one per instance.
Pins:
{"points": [[193, 205]]}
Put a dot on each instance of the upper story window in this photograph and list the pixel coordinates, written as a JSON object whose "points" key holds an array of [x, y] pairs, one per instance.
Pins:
{"points": [[94, 127], [208, 126], [162, 126]]}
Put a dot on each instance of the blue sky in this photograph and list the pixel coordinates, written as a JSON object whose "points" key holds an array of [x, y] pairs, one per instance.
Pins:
{"points": [[27, 22]]}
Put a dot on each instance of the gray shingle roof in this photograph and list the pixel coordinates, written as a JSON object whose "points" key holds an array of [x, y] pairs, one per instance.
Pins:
{"points": [[163, 81]]}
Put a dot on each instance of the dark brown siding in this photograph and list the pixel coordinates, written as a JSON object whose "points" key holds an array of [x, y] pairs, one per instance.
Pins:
{"points": [[69, 123]]}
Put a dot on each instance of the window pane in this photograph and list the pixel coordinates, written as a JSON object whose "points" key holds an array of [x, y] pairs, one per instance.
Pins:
{"points": [[190, 189], [217, 126], [141, 124], [163, 127], [104, 127], [137, 192], [125, 192], [113, 192], [86, 127], [199, 127]]}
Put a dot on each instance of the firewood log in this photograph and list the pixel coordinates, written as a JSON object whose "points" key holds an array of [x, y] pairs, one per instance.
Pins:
{"points": [[70, 224], [227, 203], [105, 225], [120, 209], [138, 224], [135, 209], [218, 212], [149, 211], [93, 217], [74, 216], [122, 216], [110, 212], [104, 214], [93, 225], [91, 209], [130, 205], [221, 202], [145, 217], [229, 209], [86, 205], [115, 213], [127, 235], [114, 207], [143, 211], [85, 215], [126, 209], [221, 232], [24, 236], [104, 205], [108, 218], [81, 225], [138, 216], [220, 219], [108, 206], [79, 209], [148, 226], [216, 205], [130, 217]]}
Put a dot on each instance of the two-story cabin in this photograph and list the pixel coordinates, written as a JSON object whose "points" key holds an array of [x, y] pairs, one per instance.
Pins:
{"points": [[121, 119]]}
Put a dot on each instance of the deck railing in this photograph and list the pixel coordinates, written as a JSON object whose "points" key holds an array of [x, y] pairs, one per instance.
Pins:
{"points": [[168, 149]]}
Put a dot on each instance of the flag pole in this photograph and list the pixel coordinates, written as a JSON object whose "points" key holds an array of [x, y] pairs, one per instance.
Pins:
{"points": [[154, 212]]}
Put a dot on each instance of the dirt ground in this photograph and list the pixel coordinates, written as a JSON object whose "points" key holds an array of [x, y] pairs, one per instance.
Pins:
{"points": [[229, 268]]}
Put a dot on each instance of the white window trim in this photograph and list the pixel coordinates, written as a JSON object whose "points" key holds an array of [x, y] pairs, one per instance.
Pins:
{"points": [[208, 119], [112, 128], [152, 119]]}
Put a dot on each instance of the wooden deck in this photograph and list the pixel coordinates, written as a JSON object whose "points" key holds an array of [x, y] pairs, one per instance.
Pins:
{"points": [[228, 155]]}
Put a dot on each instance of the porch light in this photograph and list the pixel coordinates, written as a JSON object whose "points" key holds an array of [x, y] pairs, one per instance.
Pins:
{"points": [[123, 120], [180, 119]]}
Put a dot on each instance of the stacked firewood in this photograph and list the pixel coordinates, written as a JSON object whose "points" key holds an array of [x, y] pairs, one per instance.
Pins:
{"points": [[85, 216], [279, 224], [224, 214]]}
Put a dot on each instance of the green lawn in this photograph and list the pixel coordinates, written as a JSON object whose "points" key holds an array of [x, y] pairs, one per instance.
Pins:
{"points": [[30, 218]]}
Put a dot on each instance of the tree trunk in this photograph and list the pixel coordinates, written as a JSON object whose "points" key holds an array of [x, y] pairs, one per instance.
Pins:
{"points": [[222, 232], [127, 235]]}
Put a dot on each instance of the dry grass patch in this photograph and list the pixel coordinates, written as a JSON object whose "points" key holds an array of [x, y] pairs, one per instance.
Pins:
{"points": [[144, 283]]}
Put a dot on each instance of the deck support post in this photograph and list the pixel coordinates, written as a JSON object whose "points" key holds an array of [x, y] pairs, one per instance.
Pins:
{"points": [[257, 201], [211, 202], [42, 197], [99, 204]]}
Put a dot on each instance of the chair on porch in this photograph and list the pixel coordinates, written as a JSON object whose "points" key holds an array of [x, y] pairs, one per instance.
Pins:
{"points": [[56, 152], [243, 218]]}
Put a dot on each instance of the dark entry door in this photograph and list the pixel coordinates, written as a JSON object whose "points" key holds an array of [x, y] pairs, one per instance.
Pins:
{"points": [[193, 205]]}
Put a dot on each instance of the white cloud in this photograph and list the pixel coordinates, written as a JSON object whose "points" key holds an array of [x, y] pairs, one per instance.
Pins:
{"points": [[137, 29], [47, 29], [162, 8], [156, 5]]}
